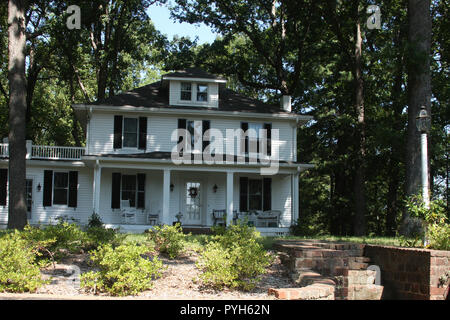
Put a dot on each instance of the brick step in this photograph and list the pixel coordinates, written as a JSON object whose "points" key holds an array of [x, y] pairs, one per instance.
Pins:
{"points": [[360, 292]]}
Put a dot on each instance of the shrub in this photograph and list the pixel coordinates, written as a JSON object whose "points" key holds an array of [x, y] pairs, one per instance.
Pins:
{"points": [[122, 271], [58, 240], [98, 236], [95, 221], [437, 227], [235, 259], [19, 271], [168, 239]]}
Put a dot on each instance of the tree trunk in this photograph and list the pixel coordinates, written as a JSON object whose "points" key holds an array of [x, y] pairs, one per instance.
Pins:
{"points": [[359, 188], [419, 90], [17, 214]]}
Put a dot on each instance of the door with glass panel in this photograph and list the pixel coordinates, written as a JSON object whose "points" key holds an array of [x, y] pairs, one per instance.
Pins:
{"points": [[192, 203]]}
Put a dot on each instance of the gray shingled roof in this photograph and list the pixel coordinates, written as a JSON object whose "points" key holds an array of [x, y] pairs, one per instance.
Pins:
{"points": [[157, 96], [193, 73]]}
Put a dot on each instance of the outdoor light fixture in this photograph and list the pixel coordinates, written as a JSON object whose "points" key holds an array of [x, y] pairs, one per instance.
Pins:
{"points": [[423, 121], [171, 187], [215, 188], [39, 187]]}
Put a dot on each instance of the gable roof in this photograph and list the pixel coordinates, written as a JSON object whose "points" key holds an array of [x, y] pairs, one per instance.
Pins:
{"points": [[157, 96], [192, 73]]}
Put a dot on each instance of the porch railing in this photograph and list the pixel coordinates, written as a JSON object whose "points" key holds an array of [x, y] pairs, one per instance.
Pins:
{"points": [[47, 152]]}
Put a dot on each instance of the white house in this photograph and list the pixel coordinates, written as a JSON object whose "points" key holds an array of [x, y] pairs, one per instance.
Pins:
{"points": [[132, 174]]}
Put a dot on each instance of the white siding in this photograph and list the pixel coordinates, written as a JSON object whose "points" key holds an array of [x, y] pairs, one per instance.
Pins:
{"points": [[175, 94], [47, 215]]}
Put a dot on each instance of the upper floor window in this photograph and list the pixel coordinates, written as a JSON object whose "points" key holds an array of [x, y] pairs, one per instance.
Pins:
{"points": [[186, 91], [130, 132], [202, 92]]}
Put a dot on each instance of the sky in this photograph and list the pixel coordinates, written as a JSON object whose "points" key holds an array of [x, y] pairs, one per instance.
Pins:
{"points": [[160, 16]]}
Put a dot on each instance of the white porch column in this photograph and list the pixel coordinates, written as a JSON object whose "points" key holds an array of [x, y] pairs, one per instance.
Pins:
{"points": [[295, 198], [166, 197], [96, 188], [229, 198]]}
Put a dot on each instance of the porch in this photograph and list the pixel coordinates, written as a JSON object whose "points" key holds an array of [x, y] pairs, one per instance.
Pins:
{"points": [[134, 199]]}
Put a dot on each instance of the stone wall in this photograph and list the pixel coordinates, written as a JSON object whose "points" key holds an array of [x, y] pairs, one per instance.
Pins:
{"points": [[409, 273]]}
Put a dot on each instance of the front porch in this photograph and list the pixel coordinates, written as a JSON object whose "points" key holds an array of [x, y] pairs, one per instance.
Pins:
{"points": [[193, 193]]}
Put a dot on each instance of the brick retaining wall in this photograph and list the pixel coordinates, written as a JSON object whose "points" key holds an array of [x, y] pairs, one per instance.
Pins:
{"points": [[409, 273]]}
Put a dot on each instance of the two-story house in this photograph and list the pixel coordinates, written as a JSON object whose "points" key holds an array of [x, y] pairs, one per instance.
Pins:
{"points": [[183, 148]]}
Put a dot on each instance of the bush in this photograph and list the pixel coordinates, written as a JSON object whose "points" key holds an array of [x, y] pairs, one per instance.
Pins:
{"points": [[58, 240], [437, 227], [98, 236], [168, 239], [95, 221], [122, 271], [19, 271], [235, 259]]}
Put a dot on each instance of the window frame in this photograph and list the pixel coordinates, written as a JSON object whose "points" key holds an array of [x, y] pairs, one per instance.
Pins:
{"points": [[198, 92], [184, 91], [137, 133], [135, 189], [59, 188]]}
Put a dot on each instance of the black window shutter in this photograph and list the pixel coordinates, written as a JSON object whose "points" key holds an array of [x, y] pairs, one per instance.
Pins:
{"points": [[142, 133], [118, 132], [141, 190], [115, 194], [267, 194], [243, 198], [244, 127], [73, 188], [205, 126], [268, 127], [48, 188], [181, 125], [3, 186]]}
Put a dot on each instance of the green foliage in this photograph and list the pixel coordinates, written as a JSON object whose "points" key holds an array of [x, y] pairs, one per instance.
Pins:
{"points": [[168, 239], [19, 271], [437, 227], [98, 236], [234, 259], [56, 241], [95, 220], [124, 270]]}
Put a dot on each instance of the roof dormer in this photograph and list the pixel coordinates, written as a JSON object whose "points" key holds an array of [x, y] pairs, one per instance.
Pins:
{"points": [[193, 88]]}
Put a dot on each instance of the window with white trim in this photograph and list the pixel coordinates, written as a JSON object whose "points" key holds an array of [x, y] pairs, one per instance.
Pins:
{"points": [[60, 188], [186, 91], [130, 132], [202, 92]]}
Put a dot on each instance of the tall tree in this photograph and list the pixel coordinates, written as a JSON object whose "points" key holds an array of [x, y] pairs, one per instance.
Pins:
{"points": [[17, 215], [419, 87]]}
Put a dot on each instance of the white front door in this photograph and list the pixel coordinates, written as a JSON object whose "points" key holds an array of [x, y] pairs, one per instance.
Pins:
{"points": [[193, 203]]}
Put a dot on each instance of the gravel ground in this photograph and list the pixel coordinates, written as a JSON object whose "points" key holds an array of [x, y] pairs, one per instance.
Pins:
{"points": [[179, 281]]}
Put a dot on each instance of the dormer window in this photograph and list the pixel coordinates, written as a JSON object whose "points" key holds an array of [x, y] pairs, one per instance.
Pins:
{"points": [[186, 91], [202, 92]]}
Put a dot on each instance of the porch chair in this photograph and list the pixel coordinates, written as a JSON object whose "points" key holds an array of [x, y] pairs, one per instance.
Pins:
{"points": [[219, 216], [152, 218], [128, 212], [269, 218]]}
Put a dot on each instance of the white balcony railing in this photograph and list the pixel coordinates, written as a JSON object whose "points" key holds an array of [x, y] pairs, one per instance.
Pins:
{"points": [[47, 152]]}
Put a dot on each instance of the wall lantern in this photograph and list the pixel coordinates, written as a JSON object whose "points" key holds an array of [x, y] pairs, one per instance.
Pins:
{"points": [[423, 121], [215, 188], [171, 187], [39, 187]]}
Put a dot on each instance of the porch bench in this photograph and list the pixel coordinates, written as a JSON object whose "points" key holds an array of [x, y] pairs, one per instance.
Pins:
{"points": [[268, 218]]}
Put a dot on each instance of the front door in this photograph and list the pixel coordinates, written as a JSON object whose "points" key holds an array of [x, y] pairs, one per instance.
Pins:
{"points": [[193, 203], [29, 196]]}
